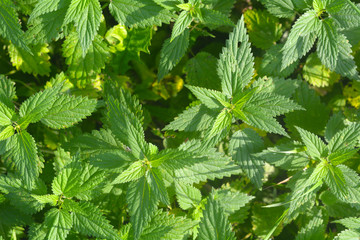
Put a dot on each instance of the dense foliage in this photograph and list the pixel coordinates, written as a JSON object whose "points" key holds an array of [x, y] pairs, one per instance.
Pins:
{"points": [[173, 119]]}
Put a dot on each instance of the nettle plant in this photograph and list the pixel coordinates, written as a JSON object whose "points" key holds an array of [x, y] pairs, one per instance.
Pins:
{"points": [[113, 148], [54, 109], [330, 22]]}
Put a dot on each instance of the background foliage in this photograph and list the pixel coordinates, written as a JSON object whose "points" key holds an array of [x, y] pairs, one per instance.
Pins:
{"points": [[172, 119]]}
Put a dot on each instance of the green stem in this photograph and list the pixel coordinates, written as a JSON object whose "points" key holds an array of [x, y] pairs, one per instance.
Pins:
{"points": [[353, 6]]}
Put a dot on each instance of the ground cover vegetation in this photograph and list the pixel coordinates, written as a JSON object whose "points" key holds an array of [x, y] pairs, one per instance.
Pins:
{"points": [[173, 119]]}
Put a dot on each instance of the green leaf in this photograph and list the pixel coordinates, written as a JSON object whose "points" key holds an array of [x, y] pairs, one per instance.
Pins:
{"points": [[262, 121], [315, 147], [320, 172], [37, 231], [44, 6], [156, 183], [166, 226], [127, 127], [172, 52], [19, 194], [176, 158], [59, 223], [214, 19], [37, 106], [289, 156], [345, 139], [264, 219], [142, 204], [187, 196], [280, 8], [346, 16], [263, 28], [9, 25], [11, 217], [336, 182], [314, 229], [35, 61], [214, 224], [46, 21], [243, 98], [90, 180], [196, 118], [345, 65], [271, 63], [68, 181], [327, 46], [133, 172], [231, 201], [97, 142], [270, 104], [243, 145], [89, 220], [335, 207], [136, 13], [200, 172], [7, 91], [78, 180], [235, 66], [6, 115], [301, 38], [6, 132], [318, 5], [317, 74], [128, 44], [275, 85], [112, 160], [223, 6], [49, 198], [335, 124], [181, 23], [22, 149], [201, 71], [68, 110], [86, 14], [351, 222], [348, 235], [352, 180], [211, 98], [315, 116], [304, 185], [85, 67], [222, 121], [341, 156]]}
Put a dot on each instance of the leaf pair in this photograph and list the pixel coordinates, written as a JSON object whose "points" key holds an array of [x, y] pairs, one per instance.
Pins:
{"points": [[74, 180], [342, 181], [176, 46], [256, 106], [333, 48], [125, 154], [52, 108]]}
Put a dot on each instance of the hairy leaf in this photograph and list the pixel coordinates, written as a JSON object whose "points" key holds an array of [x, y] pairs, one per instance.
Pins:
{"points": [[136, 13], [68, 110], [89, 220], [22, 149], [142, 204], [214, 224], [172, 52], [235, 66], [59, 223], [9, 25], [243, 145], [86, 14]]}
